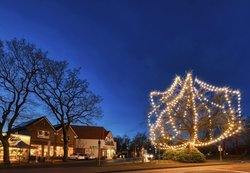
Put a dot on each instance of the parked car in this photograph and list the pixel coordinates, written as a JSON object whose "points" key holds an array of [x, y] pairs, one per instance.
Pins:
{"points": [[78, 156], [91, 156]]}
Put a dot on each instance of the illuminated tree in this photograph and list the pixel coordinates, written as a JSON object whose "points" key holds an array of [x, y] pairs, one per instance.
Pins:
{"points": [[193, 113]]}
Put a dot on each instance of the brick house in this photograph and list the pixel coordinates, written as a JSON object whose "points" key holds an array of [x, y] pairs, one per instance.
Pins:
{"points": [[59, 140], [42, 135], [87, 141], [45, 139]]}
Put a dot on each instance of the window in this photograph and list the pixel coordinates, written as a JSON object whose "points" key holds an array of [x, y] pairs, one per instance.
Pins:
{"points": [[43, 134], [68, 138], [109, 141]]}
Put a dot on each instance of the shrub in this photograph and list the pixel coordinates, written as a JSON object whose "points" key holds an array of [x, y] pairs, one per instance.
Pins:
{"points": [[103, 157], [114, 156], [169, 154], [188, 155]]}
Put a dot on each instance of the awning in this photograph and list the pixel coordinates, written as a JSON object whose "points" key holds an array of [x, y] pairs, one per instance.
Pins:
{"points": [[22, 144]]}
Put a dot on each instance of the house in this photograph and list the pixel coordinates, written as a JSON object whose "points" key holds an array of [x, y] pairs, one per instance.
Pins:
{"points": [[45, 139], [59, 140], [88, 141], [42, 136]]}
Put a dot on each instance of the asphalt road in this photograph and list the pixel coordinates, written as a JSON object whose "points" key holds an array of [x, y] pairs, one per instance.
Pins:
{"points": [[232, 168]]}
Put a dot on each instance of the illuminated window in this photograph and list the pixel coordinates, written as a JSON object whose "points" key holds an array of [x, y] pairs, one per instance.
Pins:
{"points": [[68, 137], [43, 134], [109, 141]]}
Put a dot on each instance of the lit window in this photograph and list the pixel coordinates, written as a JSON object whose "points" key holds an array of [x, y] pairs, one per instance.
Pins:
{"points": [[43, 134], [109, 141], [67, 138]]}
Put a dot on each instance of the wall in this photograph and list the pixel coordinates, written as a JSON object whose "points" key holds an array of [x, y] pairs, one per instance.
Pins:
{"points": [[90, 146]]}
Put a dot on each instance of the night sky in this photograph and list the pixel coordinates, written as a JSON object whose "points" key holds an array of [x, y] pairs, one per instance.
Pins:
{"points": [[128, 48]]}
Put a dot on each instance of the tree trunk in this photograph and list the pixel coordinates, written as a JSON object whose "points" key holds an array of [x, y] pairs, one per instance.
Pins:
{"points": [[65, 144], [65, 151], [6, 154], [190, 147]]}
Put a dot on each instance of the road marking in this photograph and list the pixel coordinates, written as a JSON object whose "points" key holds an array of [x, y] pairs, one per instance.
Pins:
{"points": [[230, 170]]}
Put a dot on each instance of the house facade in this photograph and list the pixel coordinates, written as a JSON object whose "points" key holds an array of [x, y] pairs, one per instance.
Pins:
{"points": [[45, 139], [19, 146], [89, 138], [42, 136], [58, 145]]}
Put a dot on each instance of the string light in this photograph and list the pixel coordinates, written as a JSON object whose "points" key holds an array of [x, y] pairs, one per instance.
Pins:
{"points": [[178, 104]]}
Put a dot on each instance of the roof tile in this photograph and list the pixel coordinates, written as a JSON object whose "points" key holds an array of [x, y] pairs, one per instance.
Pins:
{"points": [[90, 132]]}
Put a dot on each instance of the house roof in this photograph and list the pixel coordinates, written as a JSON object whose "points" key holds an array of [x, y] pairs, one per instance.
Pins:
{"points": [[26, 124], [90, 132]]}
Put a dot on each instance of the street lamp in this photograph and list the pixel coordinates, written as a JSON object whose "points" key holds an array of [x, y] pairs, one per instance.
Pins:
{"points": [[220, 149], [99, 152], [99, 148]]}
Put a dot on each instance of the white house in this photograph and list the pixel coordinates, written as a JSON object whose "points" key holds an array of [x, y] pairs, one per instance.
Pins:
{"points": [[87, 141]]}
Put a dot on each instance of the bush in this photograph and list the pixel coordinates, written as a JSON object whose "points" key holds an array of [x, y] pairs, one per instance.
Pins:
{"points": [[103, 157], [169, 154], [192, 155], [114, 157], [188, 155]]}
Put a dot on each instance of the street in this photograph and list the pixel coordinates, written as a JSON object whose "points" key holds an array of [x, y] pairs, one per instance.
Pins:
{"points": [[234, 168], [229, 168]]}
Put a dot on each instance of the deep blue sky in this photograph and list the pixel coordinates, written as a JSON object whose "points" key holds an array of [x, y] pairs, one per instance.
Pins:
{"points": [[128, 48]]}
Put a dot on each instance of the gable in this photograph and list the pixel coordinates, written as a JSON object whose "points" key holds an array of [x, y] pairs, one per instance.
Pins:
{"points": [[42, 124], [109, 134], [31, 124], [109, 140], [58, 128]]}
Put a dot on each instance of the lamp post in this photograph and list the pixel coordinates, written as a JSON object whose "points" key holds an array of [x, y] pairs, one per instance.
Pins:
{"points": [[135, 152], [99, 147], [159, 152], [220, 150], [99, 152]]}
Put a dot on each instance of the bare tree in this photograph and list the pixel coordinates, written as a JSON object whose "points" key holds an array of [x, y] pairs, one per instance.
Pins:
{"points": [[123, 144], [19, 62], [140, 141], [67, 96]]}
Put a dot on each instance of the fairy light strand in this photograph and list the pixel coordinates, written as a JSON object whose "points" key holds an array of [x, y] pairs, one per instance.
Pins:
{"points": [[166, 106]]}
